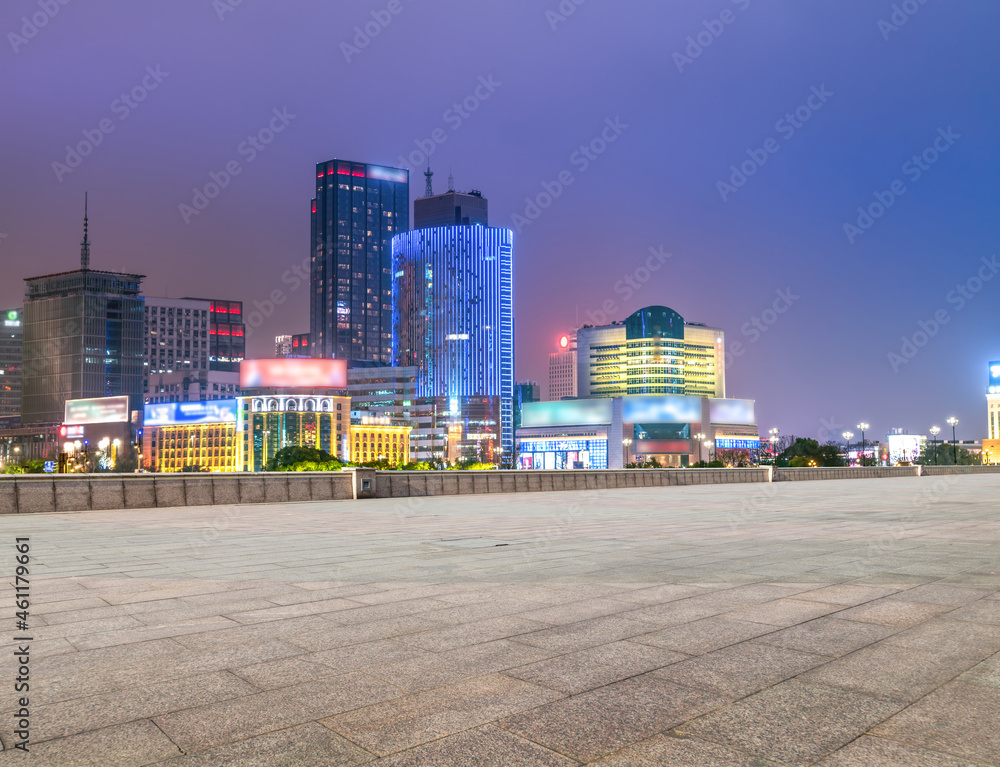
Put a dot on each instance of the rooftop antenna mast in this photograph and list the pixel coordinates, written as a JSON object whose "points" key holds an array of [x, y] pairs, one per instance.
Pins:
{"points": [[429, 174], [451, 182], [85, 245]]}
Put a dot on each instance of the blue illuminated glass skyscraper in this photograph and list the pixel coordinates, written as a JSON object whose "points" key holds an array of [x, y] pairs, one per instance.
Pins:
{"points": [[453, 321], [357, 210]]}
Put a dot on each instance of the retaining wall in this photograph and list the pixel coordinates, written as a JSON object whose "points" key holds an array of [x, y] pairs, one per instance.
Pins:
{"points": [[72, 492], [26, 493], [852, 472]]}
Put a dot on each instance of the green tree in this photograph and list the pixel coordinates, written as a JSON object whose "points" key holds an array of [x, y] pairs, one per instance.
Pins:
{"points": [[289, 456], [812, 452], [943, 454]]}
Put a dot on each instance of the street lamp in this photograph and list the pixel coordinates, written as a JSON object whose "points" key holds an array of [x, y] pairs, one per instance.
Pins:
{"points": [[774, 441], [626, 442], [699, 436], [847, 436], [953, 422], [709, 443], [863, 426], [935, 430]]}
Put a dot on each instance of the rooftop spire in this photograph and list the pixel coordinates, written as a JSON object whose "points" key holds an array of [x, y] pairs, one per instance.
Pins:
{"points": [[85, 245], [429, 174], [451, 182]]}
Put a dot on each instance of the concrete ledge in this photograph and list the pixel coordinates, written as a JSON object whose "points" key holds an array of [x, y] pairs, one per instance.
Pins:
{"points": [[853, 472], [140, 492], [41, 493], [106, 494]]}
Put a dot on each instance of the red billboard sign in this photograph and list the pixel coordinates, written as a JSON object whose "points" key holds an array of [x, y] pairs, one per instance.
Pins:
{"points": [[293, 374]]}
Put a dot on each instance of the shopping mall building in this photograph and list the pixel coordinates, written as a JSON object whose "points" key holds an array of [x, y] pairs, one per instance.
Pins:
{"points": [[608, 433]]}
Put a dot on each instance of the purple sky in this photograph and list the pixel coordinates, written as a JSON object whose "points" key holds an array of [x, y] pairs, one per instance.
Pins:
{"points": [[820, 367]]}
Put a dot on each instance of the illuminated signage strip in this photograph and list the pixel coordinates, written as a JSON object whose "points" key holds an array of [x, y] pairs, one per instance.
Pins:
{"points": [[99, 410], [187, 413], [293, 373], [576, 412], [725, 443]]}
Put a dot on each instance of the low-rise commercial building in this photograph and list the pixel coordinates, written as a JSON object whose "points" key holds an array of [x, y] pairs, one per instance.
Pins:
{"points": [[376, 438], [609, 433]]}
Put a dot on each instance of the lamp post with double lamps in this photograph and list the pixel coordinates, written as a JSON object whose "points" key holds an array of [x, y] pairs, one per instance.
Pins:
{"points": [[863, 426], [847, 436], [953, 422], [626, 442], [699, 437], [774, 445], [934, 430]]}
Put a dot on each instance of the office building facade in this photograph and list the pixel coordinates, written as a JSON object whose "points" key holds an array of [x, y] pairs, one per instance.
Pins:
{"points": [[11, 341], [453, 321], [175, 336], [227, 343], [357, 210], [192, 386], [524, 392], [451, 209], [562, 369], [653, 351], [83, 338]]}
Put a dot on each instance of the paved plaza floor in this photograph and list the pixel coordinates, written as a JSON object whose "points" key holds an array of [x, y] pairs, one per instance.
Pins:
{"points": [[842, 623]]}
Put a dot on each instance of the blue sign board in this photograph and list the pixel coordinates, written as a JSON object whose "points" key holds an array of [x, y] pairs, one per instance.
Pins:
{"points": [[50, 466], [567, 412], [190, 413], [661, 408], [737, 444]]}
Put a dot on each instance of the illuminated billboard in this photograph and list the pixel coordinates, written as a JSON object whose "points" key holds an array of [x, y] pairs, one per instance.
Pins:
{"points": [[293, 374], [995, 377], [905, 448], [100, 410], [661, 408], [190, 413], [738, 412], [378, 173], [567, 412]]}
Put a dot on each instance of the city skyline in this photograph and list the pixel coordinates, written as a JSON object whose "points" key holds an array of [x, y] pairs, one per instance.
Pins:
{"points": [[734, 217]]}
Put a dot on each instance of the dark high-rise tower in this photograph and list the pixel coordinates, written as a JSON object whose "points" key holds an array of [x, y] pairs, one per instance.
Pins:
{"points": [[82, 338], [357, 211]]}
